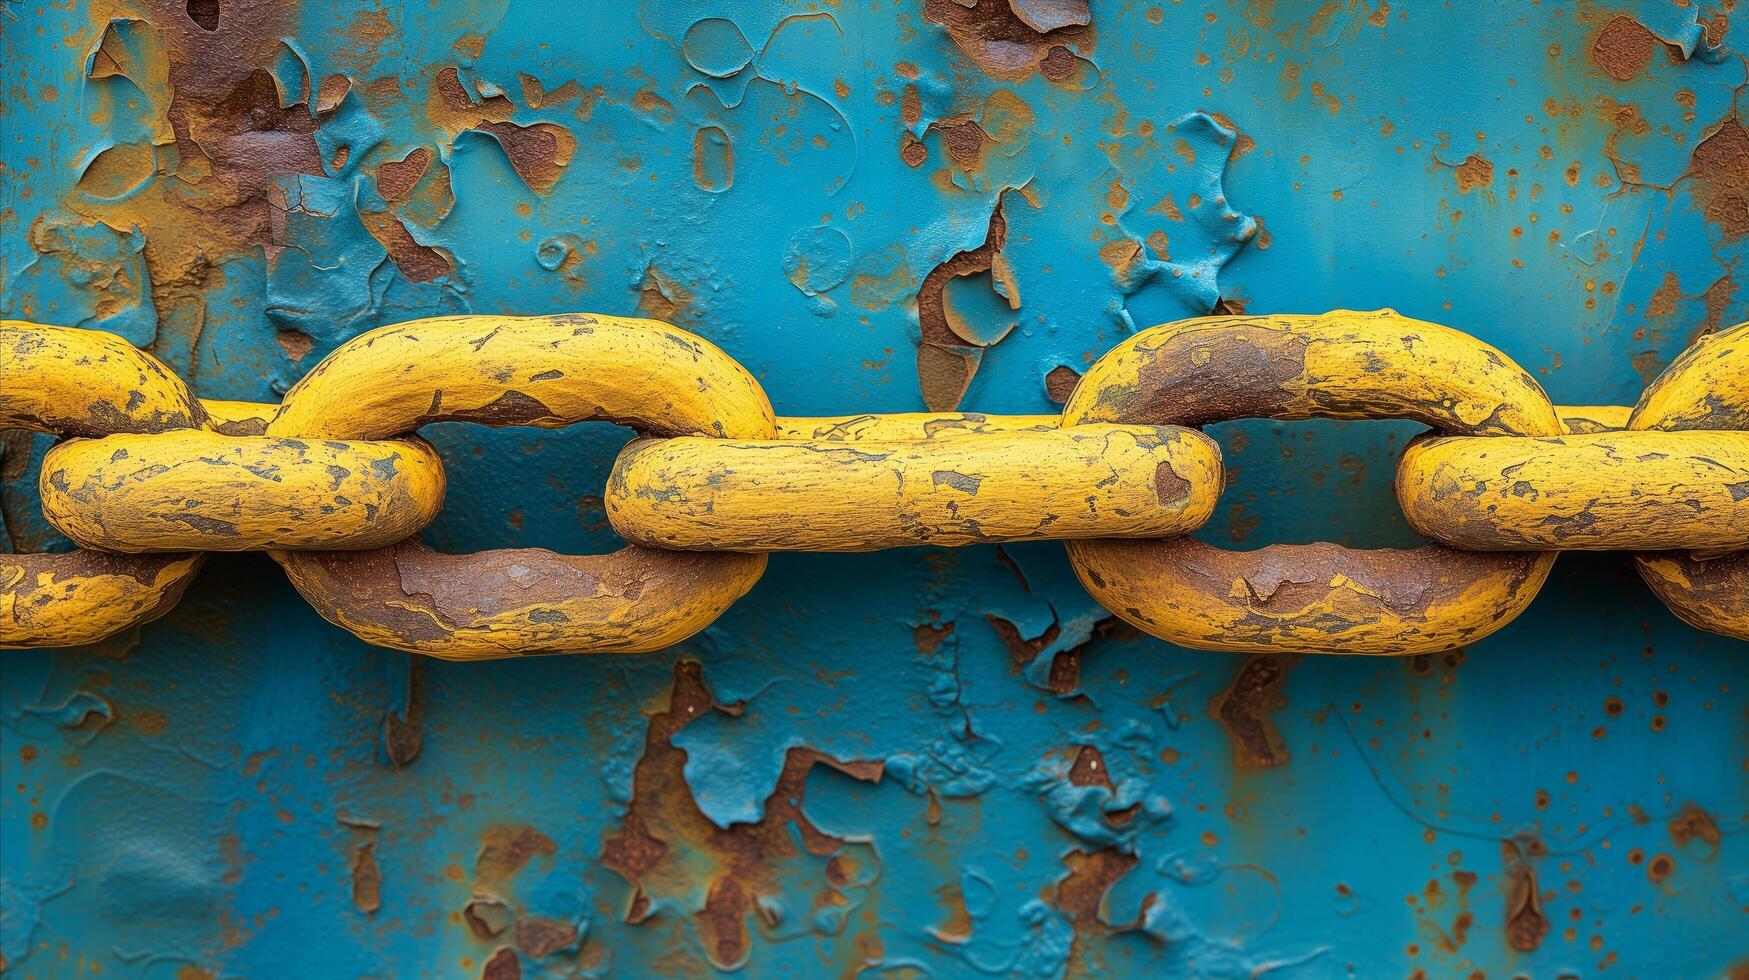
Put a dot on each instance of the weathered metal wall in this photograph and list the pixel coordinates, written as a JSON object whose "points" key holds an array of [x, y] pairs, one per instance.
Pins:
{"points": [[919, 762]]}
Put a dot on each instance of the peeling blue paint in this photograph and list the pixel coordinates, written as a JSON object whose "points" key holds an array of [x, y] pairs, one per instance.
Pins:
{"points": [[1056, 794]]}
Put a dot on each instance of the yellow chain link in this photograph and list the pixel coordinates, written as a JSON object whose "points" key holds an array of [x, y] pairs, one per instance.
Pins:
{"points": [[335, 485], [1706, 388]]}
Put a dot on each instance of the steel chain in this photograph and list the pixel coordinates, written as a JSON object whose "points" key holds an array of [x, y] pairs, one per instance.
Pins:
{"points": [[335, 485]]}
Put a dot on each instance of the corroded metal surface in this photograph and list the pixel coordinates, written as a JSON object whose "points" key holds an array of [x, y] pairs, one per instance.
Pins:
{"points": [[952, 762], [1340, 365]]}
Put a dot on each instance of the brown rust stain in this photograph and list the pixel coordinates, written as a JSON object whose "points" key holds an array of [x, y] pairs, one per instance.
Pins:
{"points": [[1081, 893], [1244, 710], [538, 152], [945, 361], [1060, 383], [661, 298], [1473, 173], [404, 731], [417, 261], [506, 849], [502, 966], [1004, 45], [1692, 824], [539, 937], [233, 140], [367, 879], [1199, 377], [1623, 48], [1525, 922], [664, 843], [395, 179], [1719, 168], [1660, 868]]}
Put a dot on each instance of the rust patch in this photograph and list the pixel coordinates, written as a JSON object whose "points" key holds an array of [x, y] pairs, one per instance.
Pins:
{"points": [[417, 261], [538, 153], [404, 731], [1003, 44], [661, 298], [1660, 868], [1719, 168], [665, 839], [945, 360], [1474, 172], [912, 150], [1060, 383], [538, 937], [396, 178], [1244, 710], [367, 879], [1080, 895], [1525, 922], [506, 850], [1023, 650], [296, 344], [1199, 377], [502, 966], [1623, 48], [1089, 769], [1691, 824], [963, 139]]}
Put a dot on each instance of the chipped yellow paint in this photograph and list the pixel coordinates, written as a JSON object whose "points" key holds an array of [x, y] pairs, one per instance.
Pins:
{"points": [[238, 418], [519, 601], [1580, 419], [864, 495], [1707, 387], [907, 425], [84, 596], [87, 383], [1315, 598], [1311, 598], [1609, 490], [1340, 365], [546, 371], [189, 489]]}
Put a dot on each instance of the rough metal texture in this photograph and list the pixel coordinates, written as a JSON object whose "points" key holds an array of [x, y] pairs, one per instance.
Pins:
{"points": [[952, 763]]}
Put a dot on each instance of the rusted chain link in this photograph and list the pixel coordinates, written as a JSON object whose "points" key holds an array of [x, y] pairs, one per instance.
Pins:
{"points": [[1707, 388], [335, 486], [86, 384], [1323, 597]]}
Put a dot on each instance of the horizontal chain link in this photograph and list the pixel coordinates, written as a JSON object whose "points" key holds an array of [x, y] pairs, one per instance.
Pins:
{"points": [[192, 489], [334, 484], [1086, 482]]}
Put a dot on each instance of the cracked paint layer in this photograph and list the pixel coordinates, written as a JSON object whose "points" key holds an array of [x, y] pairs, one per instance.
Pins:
{"points": [[924, 761]]}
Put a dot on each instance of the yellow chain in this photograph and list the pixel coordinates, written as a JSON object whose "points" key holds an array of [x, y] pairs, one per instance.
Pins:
{"points": [[335, 485]]}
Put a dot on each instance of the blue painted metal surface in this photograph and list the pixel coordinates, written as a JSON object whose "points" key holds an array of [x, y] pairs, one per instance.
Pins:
{"points": [[918, 763]]}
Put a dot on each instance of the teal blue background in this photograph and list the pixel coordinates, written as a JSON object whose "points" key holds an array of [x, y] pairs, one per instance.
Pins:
{"points": [[192, 797]]}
